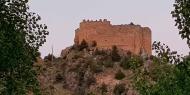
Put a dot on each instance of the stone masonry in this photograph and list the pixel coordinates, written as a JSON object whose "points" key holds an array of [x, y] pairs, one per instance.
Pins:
{"points": [[128, 37]]}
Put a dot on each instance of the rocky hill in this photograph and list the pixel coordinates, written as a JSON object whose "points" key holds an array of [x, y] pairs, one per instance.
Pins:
{"points": [[83, 70]]}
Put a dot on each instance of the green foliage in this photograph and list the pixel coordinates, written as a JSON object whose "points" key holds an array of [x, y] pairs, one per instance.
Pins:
{"points": [[114, 54], [169, 79], [20, 38], [159, 81], [125, 63], [155, 60], [165, 79], [119, 75], [183, 75], [131, 62], [166, 55], [182, 18], [85, 78], [120, 89]]}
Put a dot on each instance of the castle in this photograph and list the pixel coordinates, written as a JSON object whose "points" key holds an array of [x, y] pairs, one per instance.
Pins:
{"points": [[128, 37]]}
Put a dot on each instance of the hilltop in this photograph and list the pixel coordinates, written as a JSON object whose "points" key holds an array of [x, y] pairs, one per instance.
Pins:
{"points": [[113, 60], [83, 70]]}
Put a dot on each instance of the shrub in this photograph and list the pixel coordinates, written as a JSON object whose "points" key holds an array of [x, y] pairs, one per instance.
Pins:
{"points": [[80, 76], [119, 75], [99, 52], [91, 93], [125, 63], [120, 89], [77, 55], [49, 57], [104, 89], [108, 63], [59, 78], [83, 45], [114, 54], [96, 68], [132, 62]]}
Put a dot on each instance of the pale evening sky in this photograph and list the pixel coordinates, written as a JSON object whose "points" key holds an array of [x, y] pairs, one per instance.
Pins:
{"points": [[63, 17]]}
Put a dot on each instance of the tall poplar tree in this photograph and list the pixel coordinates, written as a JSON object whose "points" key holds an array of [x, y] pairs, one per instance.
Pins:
{"points": [[21, 35]]}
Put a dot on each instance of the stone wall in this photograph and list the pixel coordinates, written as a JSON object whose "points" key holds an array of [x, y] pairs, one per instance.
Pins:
{"points": [[128, 37]]}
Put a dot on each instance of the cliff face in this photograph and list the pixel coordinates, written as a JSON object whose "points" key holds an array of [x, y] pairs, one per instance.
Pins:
{"points": [[129, 37]]}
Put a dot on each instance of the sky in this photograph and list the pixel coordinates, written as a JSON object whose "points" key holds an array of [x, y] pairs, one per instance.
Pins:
{"points": [[63, 16]]}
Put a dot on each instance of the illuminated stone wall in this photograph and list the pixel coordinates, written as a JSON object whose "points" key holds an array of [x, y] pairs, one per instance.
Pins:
{"points": [[128, 37]]}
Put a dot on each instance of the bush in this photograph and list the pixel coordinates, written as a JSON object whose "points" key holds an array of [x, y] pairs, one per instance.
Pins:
{"points": [[49, 57], [114, 54], [104, 89], [83, 45], [91, 93], [132, 62], [119, 75], [99, 52], [59, 78], [108, 63], [120, 89], [96, 68], [125, 62]]}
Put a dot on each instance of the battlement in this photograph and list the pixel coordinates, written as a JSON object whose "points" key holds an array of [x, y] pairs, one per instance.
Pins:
{"points": [[103, 21], [106, 23], [88, 23]]}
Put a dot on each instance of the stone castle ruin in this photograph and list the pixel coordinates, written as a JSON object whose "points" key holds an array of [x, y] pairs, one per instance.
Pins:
{"points": [[128, 37]]}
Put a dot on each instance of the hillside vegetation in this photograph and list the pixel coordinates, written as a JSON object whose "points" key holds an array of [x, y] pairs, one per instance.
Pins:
{"points": [[83, 70]]}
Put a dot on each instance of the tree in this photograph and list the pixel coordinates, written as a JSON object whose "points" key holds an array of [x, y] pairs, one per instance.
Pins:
{"points": [[165, 54], [119, 75], [49, 57], [181, 14], [21, 35], [173, 79]]}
